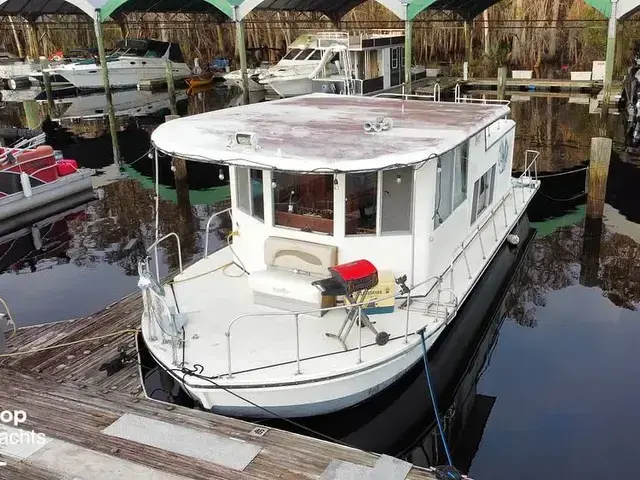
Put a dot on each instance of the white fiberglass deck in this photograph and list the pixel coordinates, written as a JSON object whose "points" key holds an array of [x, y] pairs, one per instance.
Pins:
{"points": [[263, 346]]}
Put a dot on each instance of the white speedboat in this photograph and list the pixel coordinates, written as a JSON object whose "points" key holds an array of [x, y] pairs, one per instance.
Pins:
{"points": [[340, 62], [235, 77], [132, 61], [357, 222]]}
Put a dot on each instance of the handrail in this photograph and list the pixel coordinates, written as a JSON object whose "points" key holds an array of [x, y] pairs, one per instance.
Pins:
{"points": [[456, 254], [206, 230], [160, 240]]}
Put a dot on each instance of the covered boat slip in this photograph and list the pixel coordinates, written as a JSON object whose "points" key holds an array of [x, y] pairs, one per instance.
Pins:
{"points": [[422, 190]]}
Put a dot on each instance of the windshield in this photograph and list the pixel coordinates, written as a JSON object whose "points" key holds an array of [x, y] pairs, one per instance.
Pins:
{"points": [[291, 54], [315, 55]]}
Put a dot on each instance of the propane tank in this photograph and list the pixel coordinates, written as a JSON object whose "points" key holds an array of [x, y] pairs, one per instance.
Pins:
{"points": [[26, 184]]}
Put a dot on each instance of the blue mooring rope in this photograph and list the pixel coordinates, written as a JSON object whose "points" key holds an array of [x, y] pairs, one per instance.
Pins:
{"points": [[433, 396]]}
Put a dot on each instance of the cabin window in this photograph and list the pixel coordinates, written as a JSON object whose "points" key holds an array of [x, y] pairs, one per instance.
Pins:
{"points": [[291, 54], [315, 55], [361, 203], [451, 182], [304, 201], [249, 192], [397, 188], [394, 58], [483, 193]]}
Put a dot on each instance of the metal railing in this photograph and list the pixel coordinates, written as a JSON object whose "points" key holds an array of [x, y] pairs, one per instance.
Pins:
{"points": [[159, 241], [459, 252], [207, 228], [459, 98]]}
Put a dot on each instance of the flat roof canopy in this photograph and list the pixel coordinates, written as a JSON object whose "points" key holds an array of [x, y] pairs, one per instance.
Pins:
{"points": [[325, 132]]}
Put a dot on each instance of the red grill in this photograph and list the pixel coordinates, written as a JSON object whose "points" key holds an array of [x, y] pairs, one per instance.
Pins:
{"points": [[355, 276]]}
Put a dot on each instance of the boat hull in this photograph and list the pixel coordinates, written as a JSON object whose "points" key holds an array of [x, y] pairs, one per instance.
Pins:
{"points": [[42, 195], [253, 85], [290, 87], [120, 76]]}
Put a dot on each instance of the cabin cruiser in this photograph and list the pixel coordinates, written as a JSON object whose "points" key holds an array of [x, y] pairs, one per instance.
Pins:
{"points": [[340, 253], [340, 62], [132, 61], [36, 176]]}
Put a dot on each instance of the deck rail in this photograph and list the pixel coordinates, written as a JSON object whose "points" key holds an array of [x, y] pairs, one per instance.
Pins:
{"points": [[528, 179], [432, 295], [208, 227], [158, 242]]}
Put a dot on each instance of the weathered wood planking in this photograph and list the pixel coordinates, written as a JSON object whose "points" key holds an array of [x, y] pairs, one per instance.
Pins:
{"points": [[65, 412], [73, 363]]}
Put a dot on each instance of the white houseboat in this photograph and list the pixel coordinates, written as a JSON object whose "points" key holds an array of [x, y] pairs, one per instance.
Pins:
{"points": [[356, 222], [338, 62]]}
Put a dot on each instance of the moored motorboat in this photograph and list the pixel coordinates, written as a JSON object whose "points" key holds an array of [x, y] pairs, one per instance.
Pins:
{"points": [[33, 177], [357, 221], [133, 61]]}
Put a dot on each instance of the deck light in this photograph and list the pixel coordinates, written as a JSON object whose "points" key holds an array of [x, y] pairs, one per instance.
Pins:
{"points": [[150, 155], [221, 175], [335, 183], [398, 179]]}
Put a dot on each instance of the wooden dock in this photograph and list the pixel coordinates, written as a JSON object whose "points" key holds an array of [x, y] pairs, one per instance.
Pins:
{"points": [[101, 427], [536, 84]]}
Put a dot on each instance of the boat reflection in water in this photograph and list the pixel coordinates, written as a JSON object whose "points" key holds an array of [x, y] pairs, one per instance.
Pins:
{"points": [[399, 421], [40, 240]]}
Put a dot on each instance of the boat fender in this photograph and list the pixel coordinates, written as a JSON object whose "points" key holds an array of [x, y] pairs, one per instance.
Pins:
{"points": [[26, 184], [36, 237], [513, 239]]}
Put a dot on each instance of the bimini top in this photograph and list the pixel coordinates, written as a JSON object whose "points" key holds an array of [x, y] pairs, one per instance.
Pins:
{"points": [[325, 132]]}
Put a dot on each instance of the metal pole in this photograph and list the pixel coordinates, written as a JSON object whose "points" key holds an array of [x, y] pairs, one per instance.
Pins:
{"points": [[484, 257], [228, 334], [406, 331], [297, 345], [408, 39], [242, 49], [113, 126], [611, 51], [157, 219], [360, 334]]}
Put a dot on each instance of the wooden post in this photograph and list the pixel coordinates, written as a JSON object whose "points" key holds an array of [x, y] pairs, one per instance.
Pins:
{"points": [[468, 32], [46, 79], [31, 114], [113, 126], [242, 50], [590, 257], [179, 168], [611, 53], [597, 176], [16, 38], [502, 82], [171, 87], [408, 50]]}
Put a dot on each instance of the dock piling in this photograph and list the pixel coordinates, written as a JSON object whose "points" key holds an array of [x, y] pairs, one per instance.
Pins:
{"points": [[609, 59], [46, 79], [113, 125], [242, 49], [502, 82], [408, 53], [171, 87], [597, 176], [31, 114]]}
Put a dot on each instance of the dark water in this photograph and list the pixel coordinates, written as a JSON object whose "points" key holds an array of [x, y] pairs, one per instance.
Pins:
{"points": [[546, 382]]}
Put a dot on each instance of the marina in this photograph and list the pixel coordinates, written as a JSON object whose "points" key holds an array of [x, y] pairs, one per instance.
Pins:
{"points": [[266, 240]]}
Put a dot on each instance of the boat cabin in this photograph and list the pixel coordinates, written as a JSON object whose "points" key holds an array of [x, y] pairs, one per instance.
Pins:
{"points": [[317, 172]]}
